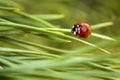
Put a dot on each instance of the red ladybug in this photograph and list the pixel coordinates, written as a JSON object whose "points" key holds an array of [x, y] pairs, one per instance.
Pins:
{"points": [[82, 30]]}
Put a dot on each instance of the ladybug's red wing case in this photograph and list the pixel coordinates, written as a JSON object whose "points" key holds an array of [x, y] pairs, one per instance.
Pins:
{"points": [[82, 30], [85, 31]]}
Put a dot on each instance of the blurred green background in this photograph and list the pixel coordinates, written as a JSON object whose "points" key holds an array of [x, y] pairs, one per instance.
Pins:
{"points": [[89, 11], [25, 44]]}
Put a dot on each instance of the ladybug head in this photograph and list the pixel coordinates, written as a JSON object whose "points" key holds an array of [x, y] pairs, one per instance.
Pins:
{"points": [[75, 29]]}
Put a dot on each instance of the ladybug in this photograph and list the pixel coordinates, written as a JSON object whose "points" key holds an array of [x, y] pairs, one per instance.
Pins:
{"points": [[81, 29]]}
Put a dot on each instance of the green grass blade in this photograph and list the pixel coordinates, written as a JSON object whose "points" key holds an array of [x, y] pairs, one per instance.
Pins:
{"points": [[102, 36], [3, 20], [59, 30], [2, 49], [103, 68], [22, 42], [6, 63], [49, 16], [19, 12], [8, 3], [53, 38], [101, 25], [34, 18], [90, 44]]}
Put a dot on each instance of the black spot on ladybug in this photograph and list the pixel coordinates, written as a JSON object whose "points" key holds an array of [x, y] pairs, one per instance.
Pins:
{"points": [[83, 35], [87, 30]]}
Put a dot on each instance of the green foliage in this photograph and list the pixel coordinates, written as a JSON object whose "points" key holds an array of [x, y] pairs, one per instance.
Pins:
{"points": [[22, 58]]}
